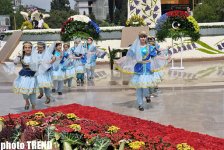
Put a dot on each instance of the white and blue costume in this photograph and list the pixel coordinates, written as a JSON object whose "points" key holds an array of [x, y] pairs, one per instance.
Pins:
{"points": [[69, 68], [58, 73], [44, 78], [137, 61], [79, 54], [26, 82], [91, 60], [44, 71]]}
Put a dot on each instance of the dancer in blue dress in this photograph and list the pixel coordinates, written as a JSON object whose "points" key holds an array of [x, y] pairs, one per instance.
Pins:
{"points": [[157, 64], [44, 59], [137, 61], [68, 65], [26, 82], [91, 58], [58, 73], [79, 55]]}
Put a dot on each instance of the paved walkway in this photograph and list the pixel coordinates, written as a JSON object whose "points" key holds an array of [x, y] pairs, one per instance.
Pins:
{"points": [[192, 99]]}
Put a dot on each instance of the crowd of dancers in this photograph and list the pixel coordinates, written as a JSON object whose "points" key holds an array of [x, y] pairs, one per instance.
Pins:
{"points": [[45, 70]]}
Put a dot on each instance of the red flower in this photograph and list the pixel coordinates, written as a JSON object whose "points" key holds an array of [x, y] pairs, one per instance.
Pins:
{"points": [[177, 13], [132, 128]]}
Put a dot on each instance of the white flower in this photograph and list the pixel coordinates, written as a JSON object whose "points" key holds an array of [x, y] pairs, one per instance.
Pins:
{"points": [[136, 22], [81, 18], [111, 28]]}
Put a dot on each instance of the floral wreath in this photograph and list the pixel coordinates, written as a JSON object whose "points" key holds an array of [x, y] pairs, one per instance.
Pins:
{"points": [[176, 24], [79, 26], [135, 21]]}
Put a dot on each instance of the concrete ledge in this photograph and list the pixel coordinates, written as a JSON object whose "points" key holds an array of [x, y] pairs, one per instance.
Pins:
{"points": [[200, 59]]}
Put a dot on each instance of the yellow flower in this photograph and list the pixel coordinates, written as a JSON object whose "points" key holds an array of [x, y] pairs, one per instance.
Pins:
{"points": [[32, 123], [40, 114], [2, 119], [195, 23], [135, 20], [113, 129], [75, 127], [184, 146], [136, 144], [27, 25], [71, 116]]}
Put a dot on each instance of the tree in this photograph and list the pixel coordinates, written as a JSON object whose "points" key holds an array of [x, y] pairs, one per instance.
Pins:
{"points": [[111, 10], [6, 7], [92, 16], [60, 5], [57, 17], [210, 11], [19, 18], [120, 14]]}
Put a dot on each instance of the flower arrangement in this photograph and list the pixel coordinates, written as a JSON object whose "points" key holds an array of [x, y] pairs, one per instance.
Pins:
{"points": [[55, 127], [70, 131], [26, 25], [79, 26], [135, 21], [176, 24]]}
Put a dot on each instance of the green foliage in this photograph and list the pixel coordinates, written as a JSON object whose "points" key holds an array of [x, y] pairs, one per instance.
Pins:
{"points": [[60, 5], [113, 54], [206, 51], [49, 133], [92, 16], [205, 45], [101, 143], [78, 29], [16, 135], [210, 11], [19, 18], [6, 7], [120, 14], [57, 17]]}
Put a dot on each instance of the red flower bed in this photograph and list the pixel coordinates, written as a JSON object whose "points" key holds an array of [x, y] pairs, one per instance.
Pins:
{"points": [[142, 130]]}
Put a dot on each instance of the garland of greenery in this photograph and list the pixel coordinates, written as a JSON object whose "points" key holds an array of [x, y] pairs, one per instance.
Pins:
{"points": [[177, 24], [79, 29]]}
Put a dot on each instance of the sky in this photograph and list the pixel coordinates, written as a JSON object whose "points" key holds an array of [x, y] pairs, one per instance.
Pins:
{"points": [[45, 4]]}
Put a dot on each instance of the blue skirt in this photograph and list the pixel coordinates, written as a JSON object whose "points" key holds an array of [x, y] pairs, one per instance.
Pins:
{"points": [[143, 81], [25, 85], [70, 73], [44, 80], [79, 67], [58, 74]]}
